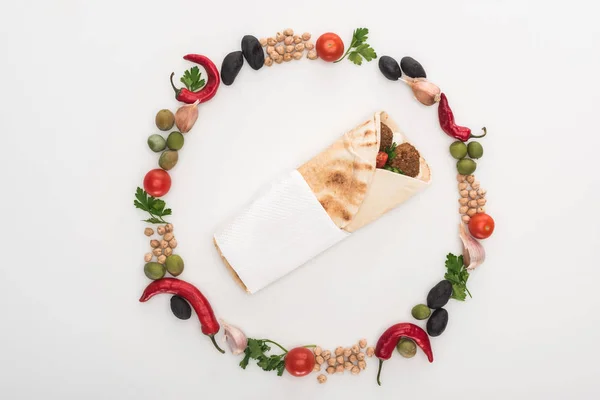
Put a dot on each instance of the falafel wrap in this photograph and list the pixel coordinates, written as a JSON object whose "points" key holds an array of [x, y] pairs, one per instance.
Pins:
{"points": [[365, 173]]}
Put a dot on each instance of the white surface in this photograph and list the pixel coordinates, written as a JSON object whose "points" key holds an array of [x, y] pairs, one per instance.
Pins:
{"points": [[283, 228], [80, 84]]}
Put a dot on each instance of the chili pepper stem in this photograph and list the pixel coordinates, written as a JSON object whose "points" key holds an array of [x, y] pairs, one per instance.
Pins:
{"points": [[212, 338], [480, 136], [173, 85], [276, 344], [379, 371]]}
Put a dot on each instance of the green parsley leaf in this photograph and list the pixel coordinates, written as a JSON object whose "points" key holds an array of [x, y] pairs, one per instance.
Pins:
{"points": [[358, 48], [192, 79], [153, 206], [391, 151], [257, 349], [458, 275]]}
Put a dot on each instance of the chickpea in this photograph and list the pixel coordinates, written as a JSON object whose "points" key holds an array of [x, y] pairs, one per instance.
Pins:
{"points": [[362, 343], [168, 236], [169, 228], [326, 354], [322, 378], [312, 55], [148, 257], [339, 351], [271, 41], [475, 185], [355, 370], [473, 194], [470, 178], [360, 356], [268, 61], [480, 210], [331, 362], [287, 57], [306, 36], [157, 251], [370, 351], [280, 49], [464, 193], [466, 219], [289, 49], [355, 349], [481, 202], [299, 47], [168, 251], [362, 364], [309, 45], [462, 186], [317, 350], [288, 32], [460, 178], [319, 360], [270, 49], [471, 212], [164, 244], [353, 358], [463, 201], [173, 243], [263, 42], [347, 352], [148, 232], [278, 59], [463, 210], [482, 192], [297, 55], [473, 203], [339, 369], [154, 243], [330, 370], [288, 40], [340, 359], [297, 39], [161, 230], [279, 37], [162, 259], [316, 368], [348, 365]]}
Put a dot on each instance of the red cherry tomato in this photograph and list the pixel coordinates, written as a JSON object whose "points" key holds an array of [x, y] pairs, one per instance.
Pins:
{"points": [[157, 182], [381, 159], [330, 47], [481, 226], [299, 361]]}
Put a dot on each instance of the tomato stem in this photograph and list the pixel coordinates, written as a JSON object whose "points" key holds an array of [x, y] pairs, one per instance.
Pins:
{"points": [[308, 346], [276, 344]]}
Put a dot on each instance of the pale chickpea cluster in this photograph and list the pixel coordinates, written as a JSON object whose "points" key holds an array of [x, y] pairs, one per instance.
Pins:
{"points": [[472, 197], [163, 248], [287, 47], [342, 359]]}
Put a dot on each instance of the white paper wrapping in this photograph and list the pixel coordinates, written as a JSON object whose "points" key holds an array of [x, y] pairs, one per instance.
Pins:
{"points": [[282, 229]]}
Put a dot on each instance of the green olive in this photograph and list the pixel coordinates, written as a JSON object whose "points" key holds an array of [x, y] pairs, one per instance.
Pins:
{"points": [[154, 270], [156, 143], [175, 141], [174, 264], [458, 150], [168, 159], [165, 120], [420, 312], [475, 150], [407, 348], [466, 166]]}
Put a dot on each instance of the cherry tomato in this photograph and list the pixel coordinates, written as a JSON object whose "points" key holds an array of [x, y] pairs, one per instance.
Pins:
{"points": [[330, 47], [157, 182], [381, 159], [299, 361], [481, 226]]}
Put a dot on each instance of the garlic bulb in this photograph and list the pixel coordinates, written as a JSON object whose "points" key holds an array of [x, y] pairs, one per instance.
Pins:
{"points": [[186, 117], [235, 338], [425, 92], [473, 251]]}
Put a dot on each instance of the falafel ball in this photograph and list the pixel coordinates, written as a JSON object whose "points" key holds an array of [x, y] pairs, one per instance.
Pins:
{"points": [[407, 160], [387, 137]]}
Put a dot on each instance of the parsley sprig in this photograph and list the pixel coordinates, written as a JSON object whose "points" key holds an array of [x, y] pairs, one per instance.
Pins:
{"points": [[153, 206], [358, 48], [391, 152], [192, 79], [458, 275], [257, 349]]}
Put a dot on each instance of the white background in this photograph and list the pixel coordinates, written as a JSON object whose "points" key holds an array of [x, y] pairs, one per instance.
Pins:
{"points": [[80, 83]]}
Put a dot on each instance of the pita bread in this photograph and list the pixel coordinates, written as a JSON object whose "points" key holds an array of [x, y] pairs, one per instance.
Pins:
{"points": [[340, 176]]}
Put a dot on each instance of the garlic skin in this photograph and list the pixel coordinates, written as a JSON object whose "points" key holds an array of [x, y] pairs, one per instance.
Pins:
{"points": [[235, 338], [186, 117], [473, 251], [425, 92]]}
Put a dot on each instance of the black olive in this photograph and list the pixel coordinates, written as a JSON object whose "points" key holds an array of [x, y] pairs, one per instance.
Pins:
{"points": [[390, 68], [439, 295], [412, 68], [232, 64], [180, 307], [253, 52], [436, 325]]}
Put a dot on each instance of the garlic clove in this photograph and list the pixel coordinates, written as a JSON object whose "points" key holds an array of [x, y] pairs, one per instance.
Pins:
{"points": [[473, 251], [235, 338], [186, 117], [425, 92]]}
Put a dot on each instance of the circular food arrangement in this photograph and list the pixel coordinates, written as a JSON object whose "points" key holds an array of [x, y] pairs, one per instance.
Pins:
{"points": [[368, 171]]}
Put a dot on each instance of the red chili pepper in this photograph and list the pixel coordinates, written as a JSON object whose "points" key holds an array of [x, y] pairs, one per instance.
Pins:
{"points": [[388, 341], [210, 325], [446, 117], [209, 90]]}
